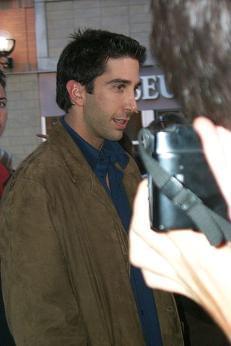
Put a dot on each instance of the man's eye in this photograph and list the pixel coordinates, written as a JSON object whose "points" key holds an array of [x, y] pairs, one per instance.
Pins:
{"points": [[2, 104], [120, 87], [136, 89]]}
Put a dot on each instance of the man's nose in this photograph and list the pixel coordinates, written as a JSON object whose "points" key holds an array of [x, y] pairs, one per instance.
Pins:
{"points": [[131, 105]]}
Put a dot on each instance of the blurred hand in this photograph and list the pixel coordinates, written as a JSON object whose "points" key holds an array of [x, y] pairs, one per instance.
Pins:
{"points": [[216, 142], [181, 261]]}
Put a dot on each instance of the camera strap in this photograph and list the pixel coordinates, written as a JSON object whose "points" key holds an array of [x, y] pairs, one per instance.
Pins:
{"points": [[215, 227]]}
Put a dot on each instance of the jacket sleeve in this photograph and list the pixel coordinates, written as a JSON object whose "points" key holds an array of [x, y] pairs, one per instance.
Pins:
{"points": [[41, 307]]}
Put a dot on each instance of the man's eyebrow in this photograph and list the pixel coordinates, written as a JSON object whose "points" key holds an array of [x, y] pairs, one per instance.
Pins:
{"points": [[122, 81], [3, 98]]}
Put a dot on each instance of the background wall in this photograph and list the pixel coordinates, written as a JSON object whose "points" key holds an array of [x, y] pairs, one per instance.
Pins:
{"points": [[23, 115], [130, 17]]}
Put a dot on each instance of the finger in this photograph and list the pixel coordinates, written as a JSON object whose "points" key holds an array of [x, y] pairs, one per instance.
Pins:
{"points": [[145, 257], [140, 219], [215, 141], [159, 282], [168, 274]]}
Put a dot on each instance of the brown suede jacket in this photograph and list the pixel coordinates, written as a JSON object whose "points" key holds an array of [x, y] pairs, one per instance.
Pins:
{"points": [[64, 255]]}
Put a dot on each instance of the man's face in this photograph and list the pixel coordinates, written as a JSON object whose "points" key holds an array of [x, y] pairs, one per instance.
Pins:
{"points": [[108, 109], [3, 110]]}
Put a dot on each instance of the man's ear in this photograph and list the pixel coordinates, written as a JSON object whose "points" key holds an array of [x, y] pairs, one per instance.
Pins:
{"points": [[76, 92]]}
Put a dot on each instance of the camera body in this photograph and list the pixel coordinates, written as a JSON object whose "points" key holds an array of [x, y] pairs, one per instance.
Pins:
{"points": [[178, 150]]}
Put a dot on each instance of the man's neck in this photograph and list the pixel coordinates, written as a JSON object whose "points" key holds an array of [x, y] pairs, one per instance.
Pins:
{"points": [[76, 123]]}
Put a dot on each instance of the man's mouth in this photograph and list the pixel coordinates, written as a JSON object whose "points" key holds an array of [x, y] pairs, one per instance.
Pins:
{"points": [[121, 123]]}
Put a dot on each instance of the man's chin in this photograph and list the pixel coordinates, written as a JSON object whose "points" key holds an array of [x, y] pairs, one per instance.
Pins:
{"points": [[117, 138]]}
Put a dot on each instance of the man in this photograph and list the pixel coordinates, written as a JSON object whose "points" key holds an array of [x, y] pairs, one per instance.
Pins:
{"points": [[5, 171], [65, 267], [198, 70]]}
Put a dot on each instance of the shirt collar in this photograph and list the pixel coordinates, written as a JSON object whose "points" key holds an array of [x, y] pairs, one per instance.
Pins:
{"points": [[115, 152]]}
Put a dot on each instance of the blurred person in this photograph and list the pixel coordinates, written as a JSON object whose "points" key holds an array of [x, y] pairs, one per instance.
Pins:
{"points": [[5, 172], [3, 99], [196, 36], [3, 62], [65, 215], [5, 161]]}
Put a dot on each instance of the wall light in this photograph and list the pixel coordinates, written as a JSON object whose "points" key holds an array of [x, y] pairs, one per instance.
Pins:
{"points": [[7, 44]]}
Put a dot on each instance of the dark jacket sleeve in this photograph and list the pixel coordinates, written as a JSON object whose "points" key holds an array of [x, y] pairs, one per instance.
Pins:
{"points": [[41, 307]]}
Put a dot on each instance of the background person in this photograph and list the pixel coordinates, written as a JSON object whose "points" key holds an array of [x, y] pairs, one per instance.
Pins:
{"points": [[183, 261], [5, 172]]}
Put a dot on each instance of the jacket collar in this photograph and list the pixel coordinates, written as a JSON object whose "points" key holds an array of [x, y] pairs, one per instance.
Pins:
{"points": [[72, 156], [110, 151]]}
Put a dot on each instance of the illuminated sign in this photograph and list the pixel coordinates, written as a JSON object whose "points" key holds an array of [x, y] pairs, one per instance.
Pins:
{"points": [[152, 87]]}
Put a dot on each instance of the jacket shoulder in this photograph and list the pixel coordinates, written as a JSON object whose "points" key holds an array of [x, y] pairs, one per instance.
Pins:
{"points": [[39, 163]]}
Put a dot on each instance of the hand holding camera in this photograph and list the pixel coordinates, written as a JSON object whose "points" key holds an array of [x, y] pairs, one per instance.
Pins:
{"points": [[183, 192]]}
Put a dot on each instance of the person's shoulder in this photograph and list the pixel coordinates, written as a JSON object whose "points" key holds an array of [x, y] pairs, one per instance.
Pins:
{"points": [[39, 164], [6, 159]]}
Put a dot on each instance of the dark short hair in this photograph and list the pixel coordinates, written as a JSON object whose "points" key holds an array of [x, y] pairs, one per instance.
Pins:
{"points": [[192, 42], [85, 58], [2, 79]]}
